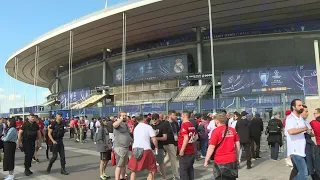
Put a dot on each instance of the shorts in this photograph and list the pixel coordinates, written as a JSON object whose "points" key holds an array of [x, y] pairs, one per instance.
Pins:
{"points": [[121, 156], [147, 161], [106, 156], [38, 144], [160, 156]]}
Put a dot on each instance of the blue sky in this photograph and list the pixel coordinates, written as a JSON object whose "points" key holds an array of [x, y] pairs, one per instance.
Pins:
{"points": [[23, 21]]}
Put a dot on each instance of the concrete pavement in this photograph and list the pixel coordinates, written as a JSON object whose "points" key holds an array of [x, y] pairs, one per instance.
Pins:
{"points": [[83, 163]]}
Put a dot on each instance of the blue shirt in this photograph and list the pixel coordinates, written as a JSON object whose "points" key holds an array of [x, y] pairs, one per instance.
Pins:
{"points": [[12, 135]]}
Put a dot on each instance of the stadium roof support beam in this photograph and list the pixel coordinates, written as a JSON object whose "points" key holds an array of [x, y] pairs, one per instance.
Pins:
{"points": [[124, 40], [199, 52], [104, 68], [212, 54], [316, 54], [70, 69]]}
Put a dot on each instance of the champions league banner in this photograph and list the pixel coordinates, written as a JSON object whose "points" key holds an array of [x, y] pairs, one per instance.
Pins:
{"points": [[76, 95], [290, 79], [161, 67]]}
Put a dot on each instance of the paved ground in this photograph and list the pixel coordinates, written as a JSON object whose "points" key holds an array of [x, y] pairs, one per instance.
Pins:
{"points": [[83, 164]]}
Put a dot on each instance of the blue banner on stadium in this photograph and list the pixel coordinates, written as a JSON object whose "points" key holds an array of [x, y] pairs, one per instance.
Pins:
{"points": [[75, 96], [177, 106], [157, 68], [288, 79], [131, 109], [190, 106], [208, 104], [92, 111]]}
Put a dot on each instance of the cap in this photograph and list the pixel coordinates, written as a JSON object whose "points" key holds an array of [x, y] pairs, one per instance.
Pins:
{"points": [[244, 113], [288, 112]]}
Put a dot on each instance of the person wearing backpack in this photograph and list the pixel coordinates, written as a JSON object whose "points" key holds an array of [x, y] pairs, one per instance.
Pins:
{"points": [[274, 138]]}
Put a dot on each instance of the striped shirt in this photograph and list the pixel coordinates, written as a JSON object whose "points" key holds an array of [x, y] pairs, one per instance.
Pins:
{"points": [[12, 135]]}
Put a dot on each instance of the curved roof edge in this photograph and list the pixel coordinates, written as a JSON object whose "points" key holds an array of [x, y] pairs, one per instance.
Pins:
{"points": [[122, 7]]}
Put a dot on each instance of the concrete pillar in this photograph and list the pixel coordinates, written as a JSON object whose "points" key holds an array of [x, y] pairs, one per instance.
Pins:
{"points": [[199, 52], [57, 80], [104, 69]]}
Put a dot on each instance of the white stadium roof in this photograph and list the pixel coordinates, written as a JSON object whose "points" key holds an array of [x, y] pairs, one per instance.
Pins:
{"points": [[148, 20]]}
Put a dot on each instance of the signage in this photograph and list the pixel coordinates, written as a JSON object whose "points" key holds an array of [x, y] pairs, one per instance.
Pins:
{"points": [[199, 76], [289, 79], [75, 96], [162, 67]]}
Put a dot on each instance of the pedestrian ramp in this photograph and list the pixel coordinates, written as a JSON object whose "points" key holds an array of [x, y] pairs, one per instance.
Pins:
{"points": [[89, 101], [192, 93]]}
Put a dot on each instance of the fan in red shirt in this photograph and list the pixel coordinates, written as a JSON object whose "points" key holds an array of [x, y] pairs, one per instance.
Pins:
{"points": [[315, 124], [19, 123], [187, 136], [226, 152]]}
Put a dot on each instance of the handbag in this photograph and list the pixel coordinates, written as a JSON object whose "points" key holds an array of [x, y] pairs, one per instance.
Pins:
{"points": [[138, 153], [229, 170]]}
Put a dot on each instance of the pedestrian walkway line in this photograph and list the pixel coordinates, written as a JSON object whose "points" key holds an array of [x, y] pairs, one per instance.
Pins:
{"points": [[19, 174]]}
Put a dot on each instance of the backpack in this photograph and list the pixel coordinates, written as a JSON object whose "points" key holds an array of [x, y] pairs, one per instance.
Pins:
{"points": [[273, 127]]}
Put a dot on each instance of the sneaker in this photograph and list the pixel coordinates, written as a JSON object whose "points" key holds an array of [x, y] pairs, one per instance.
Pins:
{"points": [[40, 147], [106, 176], [102, 178], [9, 177], [289, 163], [37, 161]]}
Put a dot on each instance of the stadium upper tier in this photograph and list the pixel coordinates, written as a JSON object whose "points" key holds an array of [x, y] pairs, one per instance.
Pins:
{"points": [[148, 20]]}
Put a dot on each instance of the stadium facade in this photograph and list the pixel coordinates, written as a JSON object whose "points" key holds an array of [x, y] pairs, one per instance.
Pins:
{"points": [[263, 58]]}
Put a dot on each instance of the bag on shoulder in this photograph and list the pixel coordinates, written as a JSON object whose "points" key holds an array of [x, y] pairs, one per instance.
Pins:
{"points": [[138, 153], [273, 127]]}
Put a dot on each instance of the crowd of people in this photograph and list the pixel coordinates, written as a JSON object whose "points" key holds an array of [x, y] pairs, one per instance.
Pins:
{"points": [[150, 142]]}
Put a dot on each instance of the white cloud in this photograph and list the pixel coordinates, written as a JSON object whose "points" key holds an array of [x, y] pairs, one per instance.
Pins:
{"points": [[45, 93], [13, 97]]}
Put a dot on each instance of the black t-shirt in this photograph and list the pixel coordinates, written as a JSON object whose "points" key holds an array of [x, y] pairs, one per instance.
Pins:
{"points": [[57, 130], [172, 128], [160, 129], [30, 130]]}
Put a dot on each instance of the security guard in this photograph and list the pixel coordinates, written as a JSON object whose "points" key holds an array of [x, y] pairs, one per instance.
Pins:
{"points": [[26, 138], [56, 132]]}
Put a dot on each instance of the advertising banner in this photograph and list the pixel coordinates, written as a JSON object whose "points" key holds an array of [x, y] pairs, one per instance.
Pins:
{"points": [[76, 95], [289, 79], [154, 108], [161, 67]]}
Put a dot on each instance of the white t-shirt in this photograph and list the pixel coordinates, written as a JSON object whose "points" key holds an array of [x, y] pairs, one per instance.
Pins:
{"points": [[233, 124], [211, 127], [97, 126], [230, 122], [141, 135], [91, 125], [87, 122], [296, 144]]}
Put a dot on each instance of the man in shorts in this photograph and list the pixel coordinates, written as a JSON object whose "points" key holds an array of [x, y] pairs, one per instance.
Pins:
{"points": [[142, 134], [122, 141], [161, 131]]}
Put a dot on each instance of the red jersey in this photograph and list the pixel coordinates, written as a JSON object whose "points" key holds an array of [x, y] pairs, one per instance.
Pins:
{"points": [[131, 125], [187, 129], [41, 127], [226, 152], [19, 125], [315, 124]]}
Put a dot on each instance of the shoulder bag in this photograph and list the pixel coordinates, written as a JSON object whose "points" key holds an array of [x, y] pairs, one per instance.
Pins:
{"points": [[229, 170]]}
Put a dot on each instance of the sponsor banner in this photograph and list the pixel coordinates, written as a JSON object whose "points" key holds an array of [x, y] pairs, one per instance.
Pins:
{"points": [[190, 106], [162, 67], [75, 96], [289, 79], [208, 104]]}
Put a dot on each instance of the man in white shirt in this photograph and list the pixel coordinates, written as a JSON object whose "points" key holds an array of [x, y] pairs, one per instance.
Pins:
{"points": [[296, 142], [211, 125], [141, 135], [97, 128]]}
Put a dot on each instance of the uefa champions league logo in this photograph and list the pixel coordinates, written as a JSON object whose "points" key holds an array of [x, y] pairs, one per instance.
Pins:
{"points": [[276, 74], [264, 76]]}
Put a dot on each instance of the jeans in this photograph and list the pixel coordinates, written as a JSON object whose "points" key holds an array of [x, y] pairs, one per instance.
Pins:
{"points": [[255, 147], [186, 167], [275, 151], [247, 150], [285, 146], [301, 165], [91, 134], [204, 146]]}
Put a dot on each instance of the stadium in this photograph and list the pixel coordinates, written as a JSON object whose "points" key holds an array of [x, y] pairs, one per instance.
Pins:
{"points": [[261, 57]]}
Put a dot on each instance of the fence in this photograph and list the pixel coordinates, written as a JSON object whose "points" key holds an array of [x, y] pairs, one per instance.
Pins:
{"points": [[252, 104]]}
